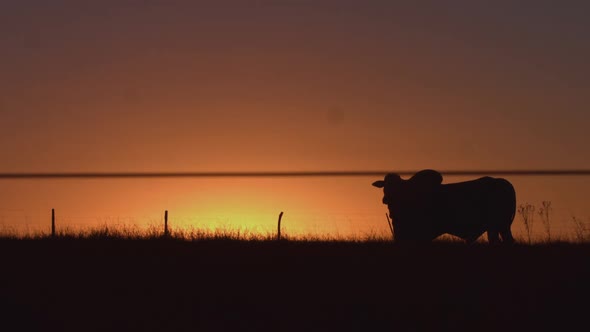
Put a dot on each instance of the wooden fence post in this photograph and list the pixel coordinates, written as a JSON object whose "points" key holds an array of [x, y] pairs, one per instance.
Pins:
{"points": [[279, 227], [166, 223], [52, 222]]}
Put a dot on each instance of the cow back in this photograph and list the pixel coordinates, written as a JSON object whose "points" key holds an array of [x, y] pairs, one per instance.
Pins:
{"points": [[468, 209]]}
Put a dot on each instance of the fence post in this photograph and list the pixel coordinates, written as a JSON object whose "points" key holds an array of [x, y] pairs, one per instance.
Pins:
{"points": [[166, 223], [279, 227], [52, 222]]}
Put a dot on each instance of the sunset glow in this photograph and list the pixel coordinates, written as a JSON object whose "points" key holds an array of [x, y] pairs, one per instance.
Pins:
{"points": [[284, 86]]}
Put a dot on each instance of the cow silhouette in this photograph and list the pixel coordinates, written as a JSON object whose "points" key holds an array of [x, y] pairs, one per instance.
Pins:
{"points": [[422, 208]]}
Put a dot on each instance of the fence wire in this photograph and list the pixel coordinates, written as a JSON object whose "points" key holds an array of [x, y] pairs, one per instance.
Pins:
{"points": [[115, 175], [19, 219]]}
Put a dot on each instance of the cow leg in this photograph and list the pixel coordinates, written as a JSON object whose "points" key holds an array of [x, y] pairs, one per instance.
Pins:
{"points": [[493, 236], [507, 235]]}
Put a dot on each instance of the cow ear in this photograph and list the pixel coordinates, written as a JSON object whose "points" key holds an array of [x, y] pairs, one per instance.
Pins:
{"points": [[379, 184], [427, 178]]}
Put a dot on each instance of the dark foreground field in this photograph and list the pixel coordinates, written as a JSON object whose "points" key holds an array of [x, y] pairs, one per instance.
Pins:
{"points": [[158, 285]]}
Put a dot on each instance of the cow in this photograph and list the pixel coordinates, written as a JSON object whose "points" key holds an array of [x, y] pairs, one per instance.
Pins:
{"points": [[422, 208]]}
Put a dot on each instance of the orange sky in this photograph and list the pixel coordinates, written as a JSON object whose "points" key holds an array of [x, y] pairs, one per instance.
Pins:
{"points": [[286, 85]]}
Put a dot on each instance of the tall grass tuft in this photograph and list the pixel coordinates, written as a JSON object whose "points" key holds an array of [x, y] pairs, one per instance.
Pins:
{"points": [[580, 229], [527, 213], [544, 213]]}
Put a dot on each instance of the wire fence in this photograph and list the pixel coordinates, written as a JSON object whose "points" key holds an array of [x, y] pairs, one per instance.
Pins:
{"points": [[122, 175], [334, 224], [27, 221]]}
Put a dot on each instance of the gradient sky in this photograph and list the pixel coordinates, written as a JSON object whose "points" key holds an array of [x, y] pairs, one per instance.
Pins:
{"points": [[286, 85]]}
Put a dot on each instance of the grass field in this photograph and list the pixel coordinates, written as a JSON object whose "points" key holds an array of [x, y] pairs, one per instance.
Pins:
{"points": [[108, 283]]}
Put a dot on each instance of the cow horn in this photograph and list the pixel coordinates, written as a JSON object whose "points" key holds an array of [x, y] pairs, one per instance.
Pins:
{"points": [[379, 184]]}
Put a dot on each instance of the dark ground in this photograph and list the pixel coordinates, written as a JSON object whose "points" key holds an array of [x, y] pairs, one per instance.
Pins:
{"points": [[158, 285]]}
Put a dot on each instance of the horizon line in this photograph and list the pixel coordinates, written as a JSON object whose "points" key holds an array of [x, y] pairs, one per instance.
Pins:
{"points": [[130, 175]]}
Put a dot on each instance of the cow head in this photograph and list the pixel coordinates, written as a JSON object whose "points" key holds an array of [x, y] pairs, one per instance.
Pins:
{"points": [[392, 186], [395, 188], [408, 200]]}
